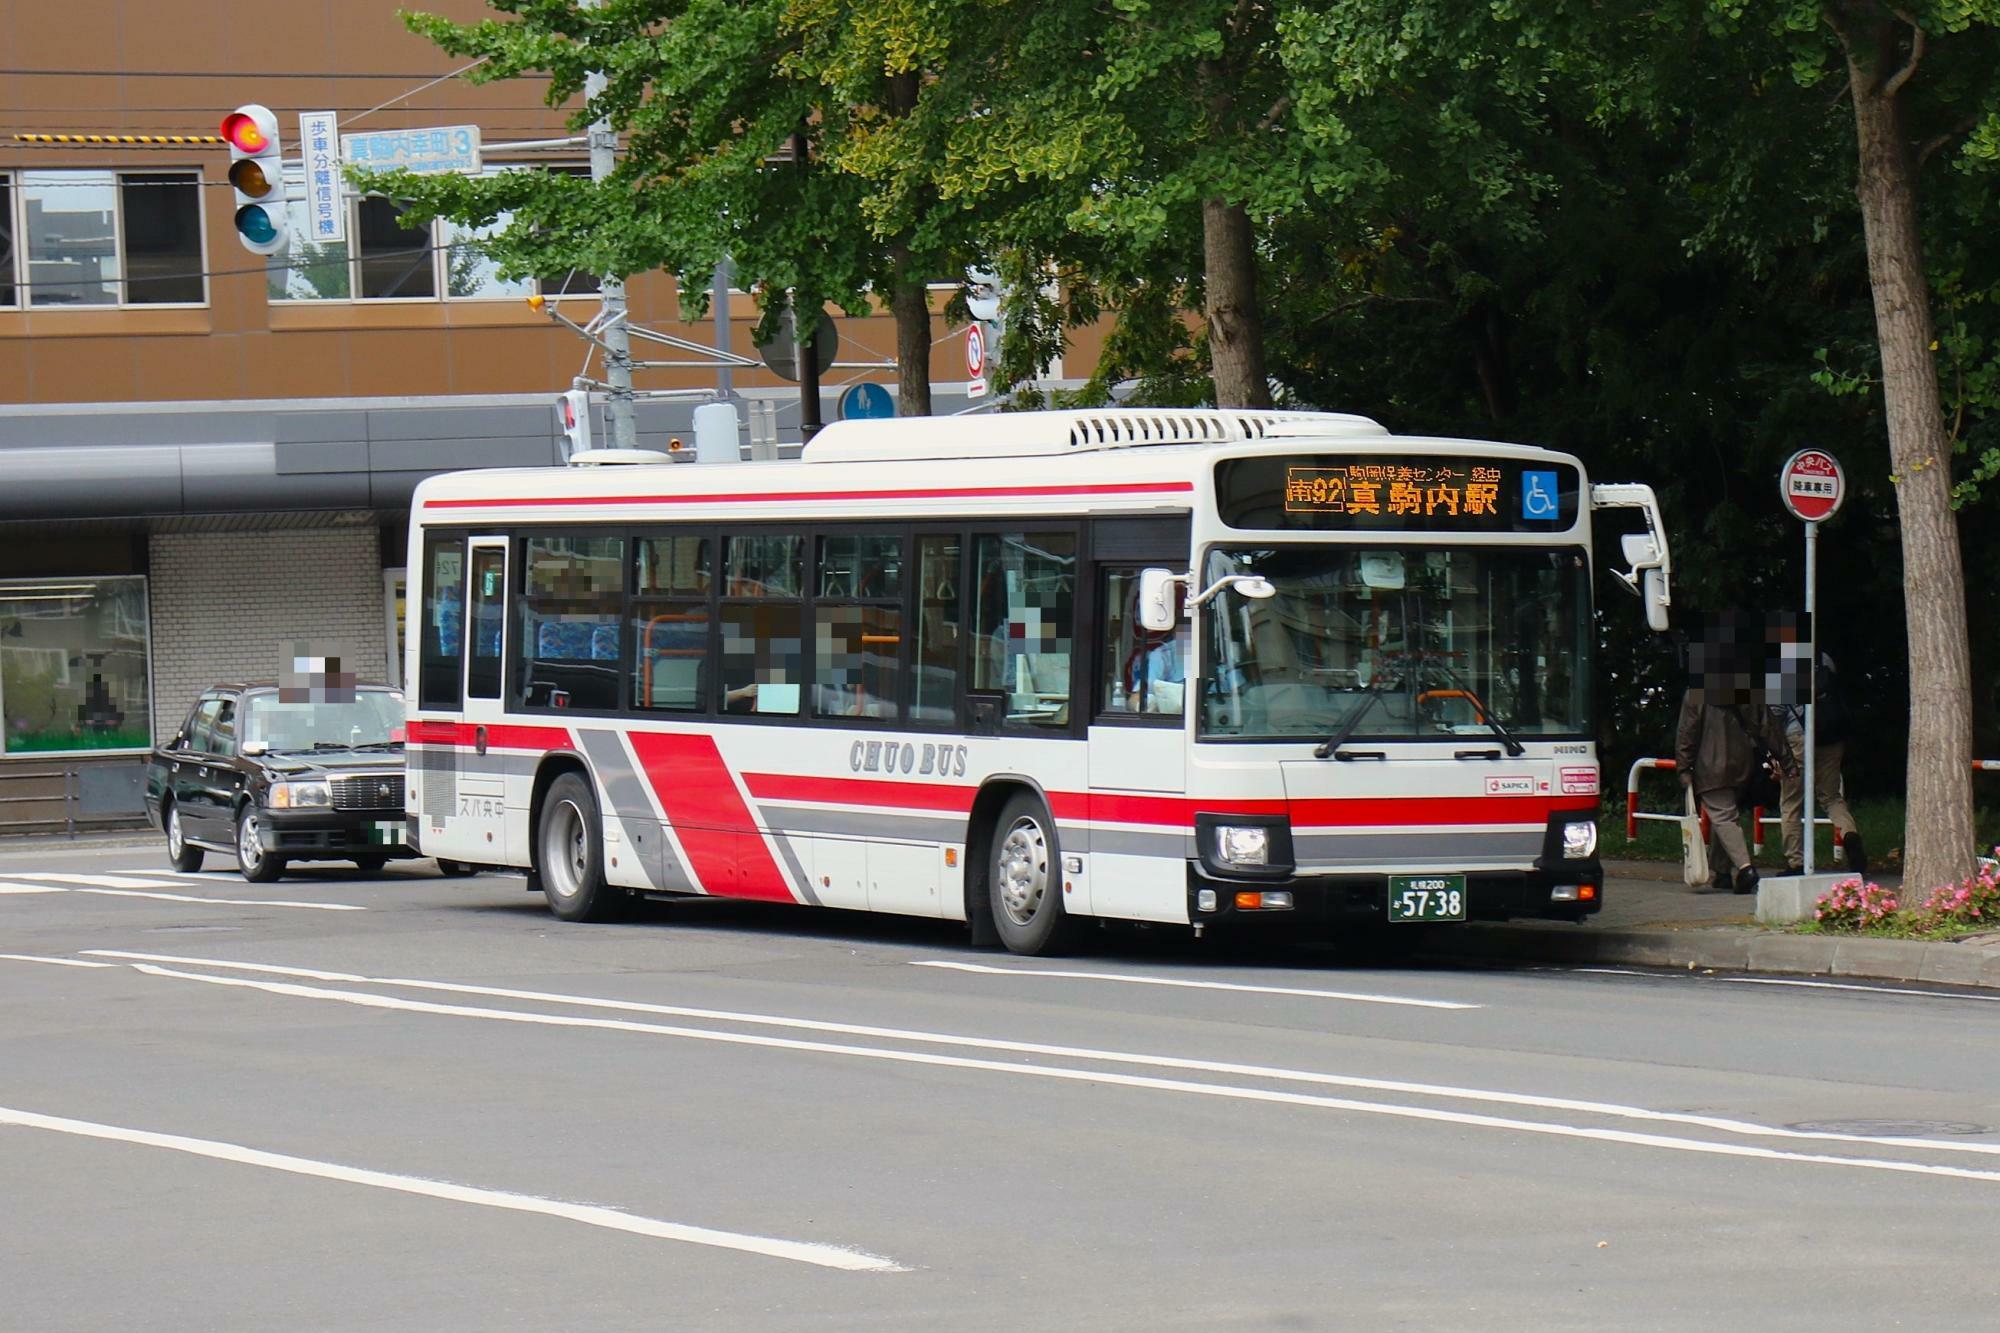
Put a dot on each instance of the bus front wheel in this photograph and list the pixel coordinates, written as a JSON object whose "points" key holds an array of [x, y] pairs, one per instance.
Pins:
{"points": [[569, 853], [1024, 880]]}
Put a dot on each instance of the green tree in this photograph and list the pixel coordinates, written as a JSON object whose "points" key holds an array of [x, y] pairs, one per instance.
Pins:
{"points": [[730, 138]]}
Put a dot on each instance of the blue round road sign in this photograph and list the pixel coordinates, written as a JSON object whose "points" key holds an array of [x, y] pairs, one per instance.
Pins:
{"points": [[866, 402]]}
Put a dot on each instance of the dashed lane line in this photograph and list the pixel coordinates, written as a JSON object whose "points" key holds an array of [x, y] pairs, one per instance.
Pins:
{"points": [[611, 1219]]}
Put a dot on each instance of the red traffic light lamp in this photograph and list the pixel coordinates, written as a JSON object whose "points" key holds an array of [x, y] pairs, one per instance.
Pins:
{"points": [[256, 171]]}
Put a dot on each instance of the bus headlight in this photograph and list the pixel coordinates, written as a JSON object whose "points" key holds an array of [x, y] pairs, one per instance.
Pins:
{"points": [[1579, 839], [297, 795], [1243, 844]]}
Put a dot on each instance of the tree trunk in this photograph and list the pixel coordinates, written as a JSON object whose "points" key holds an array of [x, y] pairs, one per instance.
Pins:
{"points": [[910, 302], [909, 298], [1235, 326], [1938, 833]]}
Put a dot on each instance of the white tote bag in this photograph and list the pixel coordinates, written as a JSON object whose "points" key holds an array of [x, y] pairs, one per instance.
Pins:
{"points": [[1694, 847]]}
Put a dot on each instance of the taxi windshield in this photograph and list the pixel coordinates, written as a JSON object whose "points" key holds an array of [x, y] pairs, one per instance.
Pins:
{"points": [[367, 717]]}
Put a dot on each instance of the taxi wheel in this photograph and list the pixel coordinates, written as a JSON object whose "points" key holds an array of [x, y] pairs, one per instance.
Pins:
{"points": [[258, 866], [182, 855]]}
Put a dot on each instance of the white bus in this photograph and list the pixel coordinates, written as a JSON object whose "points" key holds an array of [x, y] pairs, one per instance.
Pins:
{"points": [[1023, 670]]}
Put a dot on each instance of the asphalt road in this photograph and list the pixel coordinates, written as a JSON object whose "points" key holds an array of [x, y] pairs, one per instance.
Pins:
{"points": [[409, 1102]]}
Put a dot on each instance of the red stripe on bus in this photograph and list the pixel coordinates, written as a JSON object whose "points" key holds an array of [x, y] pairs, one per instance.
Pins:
{"points": [[716, 829], [860, 791], [466, 734], [1170, 811], [793, 497]]}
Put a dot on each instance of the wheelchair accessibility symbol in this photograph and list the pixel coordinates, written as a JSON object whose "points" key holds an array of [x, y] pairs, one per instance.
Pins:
{"points": [[1538, 496]]}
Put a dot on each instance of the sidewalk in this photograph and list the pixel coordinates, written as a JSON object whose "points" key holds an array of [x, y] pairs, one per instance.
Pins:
{"points": [[1651, 919]]}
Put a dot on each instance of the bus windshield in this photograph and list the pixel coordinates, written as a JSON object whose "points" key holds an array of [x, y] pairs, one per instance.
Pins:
{"points": [[1422, 638]]}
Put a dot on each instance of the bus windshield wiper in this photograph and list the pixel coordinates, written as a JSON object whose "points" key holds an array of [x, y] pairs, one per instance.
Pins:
{"points": [[1330, 747], [378, 745], [318, 746], [1484, 713]]}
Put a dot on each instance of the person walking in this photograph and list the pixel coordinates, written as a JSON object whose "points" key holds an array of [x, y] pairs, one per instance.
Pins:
{"points": [[1829, 745], [1716, 751]]}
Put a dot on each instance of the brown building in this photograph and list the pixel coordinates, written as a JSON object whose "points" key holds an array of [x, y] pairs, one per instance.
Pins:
{"points": [[206, 456]]}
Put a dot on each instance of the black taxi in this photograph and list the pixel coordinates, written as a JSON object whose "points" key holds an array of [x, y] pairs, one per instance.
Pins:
{"points": [[271, 779]]}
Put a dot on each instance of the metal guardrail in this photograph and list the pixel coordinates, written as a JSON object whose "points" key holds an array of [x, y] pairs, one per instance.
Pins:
{"points": [[73, 798], [1758, 819]]}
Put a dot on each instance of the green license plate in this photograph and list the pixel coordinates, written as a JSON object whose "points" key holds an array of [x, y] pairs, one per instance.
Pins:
{"points": [[1427, 897]]}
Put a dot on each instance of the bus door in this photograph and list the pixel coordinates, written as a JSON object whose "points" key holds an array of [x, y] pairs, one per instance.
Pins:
{"points": [[479, 821], [1138, 756]]}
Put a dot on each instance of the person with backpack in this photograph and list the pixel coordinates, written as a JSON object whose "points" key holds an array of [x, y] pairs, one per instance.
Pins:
{"points": [[1829, 745]]}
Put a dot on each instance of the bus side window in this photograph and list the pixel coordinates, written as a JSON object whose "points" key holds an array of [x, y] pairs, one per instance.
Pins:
{"points": [[571, 615], [1145, 671], [670, 623], [1024, 614], [763, 625], [935, 697], [858, 627], [441, 637]]}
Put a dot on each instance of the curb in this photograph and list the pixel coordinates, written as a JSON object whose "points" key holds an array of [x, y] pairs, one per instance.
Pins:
{"points": [[1728, 949]]}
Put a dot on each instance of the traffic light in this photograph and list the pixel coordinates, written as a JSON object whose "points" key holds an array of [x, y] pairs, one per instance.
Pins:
{"points": [[257, 172], [573, 419]]}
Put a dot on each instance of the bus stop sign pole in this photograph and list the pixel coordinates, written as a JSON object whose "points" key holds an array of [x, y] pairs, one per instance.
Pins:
{"points": [[1812, 487]]}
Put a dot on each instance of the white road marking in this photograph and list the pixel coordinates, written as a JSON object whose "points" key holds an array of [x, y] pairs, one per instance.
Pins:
{"points": [[1275, 1073], [1221, 1090], [805, 1252], [100, 881], [223, 902], [120, 889], [1358, 996], [59, 962], [1875, 990]]}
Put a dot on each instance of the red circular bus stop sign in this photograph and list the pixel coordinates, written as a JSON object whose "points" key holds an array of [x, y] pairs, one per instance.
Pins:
{"points": [[1812, 485]]}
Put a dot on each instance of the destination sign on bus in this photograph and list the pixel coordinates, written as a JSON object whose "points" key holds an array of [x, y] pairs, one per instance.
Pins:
{"points": [[1336, 491]]}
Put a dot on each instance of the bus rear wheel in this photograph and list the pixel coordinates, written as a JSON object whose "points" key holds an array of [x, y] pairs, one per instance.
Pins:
{"points": [[569, 854], [1024, 880]]}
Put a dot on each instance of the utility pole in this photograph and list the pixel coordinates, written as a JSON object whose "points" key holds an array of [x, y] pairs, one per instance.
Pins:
{"points": [[718, 307], [808, 345], [611, 288]]}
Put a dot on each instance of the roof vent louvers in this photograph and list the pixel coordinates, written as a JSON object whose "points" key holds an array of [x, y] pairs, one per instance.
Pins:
{"points": [[1040, 434]]}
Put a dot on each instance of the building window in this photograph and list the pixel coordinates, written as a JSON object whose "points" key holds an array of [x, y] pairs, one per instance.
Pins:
{"points": [[382, 259], [394, 260], [74, 665], [9, 293], [104, 238]]}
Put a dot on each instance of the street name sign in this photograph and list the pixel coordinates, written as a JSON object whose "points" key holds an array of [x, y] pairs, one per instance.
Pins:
{"points": [[442, 151]]}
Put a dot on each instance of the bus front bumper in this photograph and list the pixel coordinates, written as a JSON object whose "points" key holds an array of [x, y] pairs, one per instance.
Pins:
{"points": [[1572, 893]]}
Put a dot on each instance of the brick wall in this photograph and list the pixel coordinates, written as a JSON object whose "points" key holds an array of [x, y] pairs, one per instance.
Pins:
{"points": [[230, 606]]}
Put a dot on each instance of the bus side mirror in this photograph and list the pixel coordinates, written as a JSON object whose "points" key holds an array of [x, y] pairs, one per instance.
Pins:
{"points": [[1157, 611], [1646, 577]]}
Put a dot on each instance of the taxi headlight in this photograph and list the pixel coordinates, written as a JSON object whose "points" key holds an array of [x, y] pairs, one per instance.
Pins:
{"points": [[298, 795]]}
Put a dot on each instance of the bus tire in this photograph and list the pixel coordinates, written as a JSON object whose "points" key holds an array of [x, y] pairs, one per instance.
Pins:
{"points": [[569, 853], [1024, 880]]}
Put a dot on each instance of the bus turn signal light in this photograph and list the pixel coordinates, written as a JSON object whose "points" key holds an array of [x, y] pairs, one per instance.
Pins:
{"points": [[1250, 900]]}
